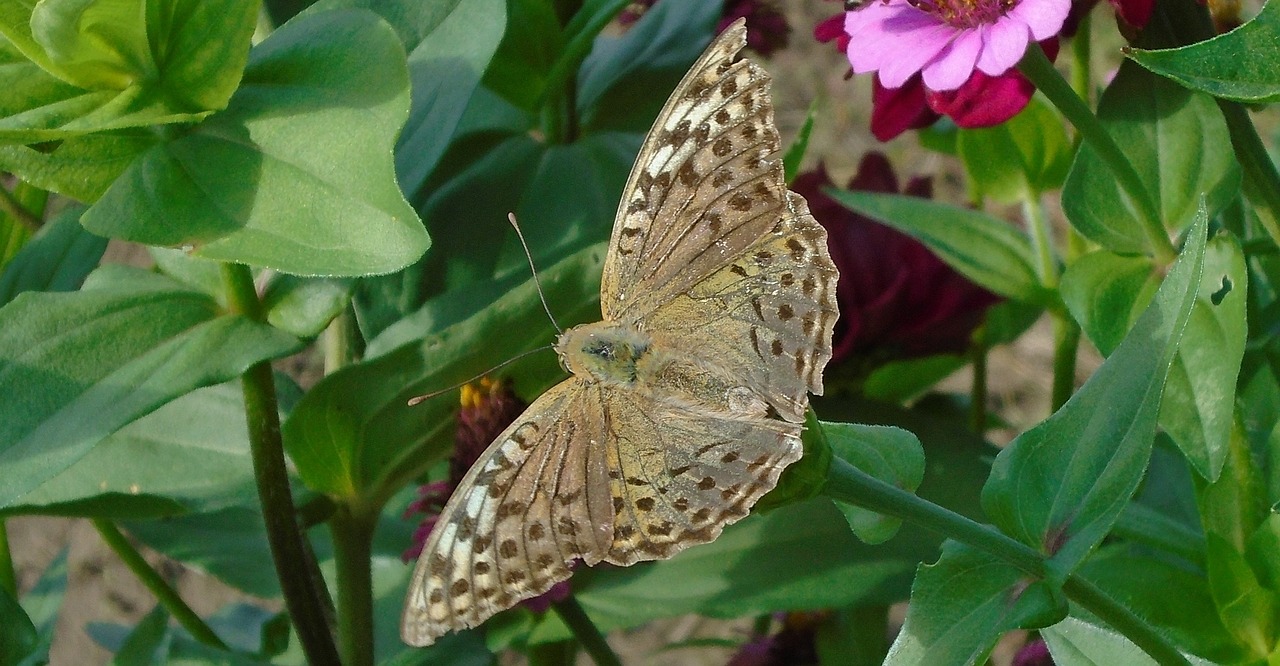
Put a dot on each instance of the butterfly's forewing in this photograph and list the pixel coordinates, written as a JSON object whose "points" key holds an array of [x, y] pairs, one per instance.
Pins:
{"points": [[537, 499], [711, 253], [702, 188]]}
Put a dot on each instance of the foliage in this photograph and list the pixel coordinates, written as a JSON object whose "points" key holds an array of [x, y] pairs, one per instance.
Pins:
{"points": [[337, 184]]}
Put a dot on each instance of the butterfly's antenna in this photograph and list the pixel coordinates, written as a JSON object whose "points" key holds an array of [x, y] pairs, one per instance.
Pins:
{"points": [[533, 269], [427, 396]]}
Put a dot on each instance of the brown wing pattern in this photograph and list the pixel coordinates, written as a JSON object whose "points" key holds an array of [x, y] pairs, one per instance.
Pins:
{"points": [[535, 501], [703, 187]]}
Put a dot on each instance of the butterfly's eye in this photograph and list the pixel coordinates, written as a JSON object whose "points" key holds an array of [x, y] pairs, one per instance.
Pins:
{"points": [[601, 349]]}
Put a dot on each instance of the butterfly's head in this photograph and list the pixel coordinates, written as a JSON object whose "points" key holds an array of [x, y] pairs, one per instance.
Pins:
{"points": [[606, 352]]}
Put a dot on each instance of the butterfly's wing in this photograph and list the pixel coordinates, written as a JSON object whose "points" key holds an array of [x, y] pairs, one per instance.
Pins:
{"points": [[710, 252], [537, 499], [685, 467]]}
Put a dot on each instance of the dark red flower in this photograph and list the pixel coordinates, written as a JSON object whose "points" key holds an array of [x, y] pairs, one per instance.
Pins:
{"points": [[767, 27], [1034, 653], [794, 644], [896, 110], [896, 298]]}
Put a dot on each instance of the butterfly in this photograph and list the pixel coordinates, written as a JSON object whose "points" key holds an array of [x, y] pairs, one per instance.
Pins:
{"points": [[685, 402]]}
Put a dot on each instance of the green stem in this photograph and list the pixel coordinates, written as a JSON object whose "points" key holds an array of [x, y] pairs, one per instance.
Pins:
{"points": [[978, 392], [341, 341], [9, 205], [1089, 596], [583, 629], [1041, 240], [165, 594], [1261, 178], [304, 596], [352, 551], [8, 576], [847, 483], [1066, 344], [1037, 68]]}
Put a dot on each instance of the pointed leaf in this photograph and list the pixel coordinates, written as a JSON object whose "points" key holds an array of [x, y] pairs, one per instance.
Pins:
{"points": [[1075, 642], [1106, 292], [58, 259], [1026, 155], [892, 455], [1239, 65], [986, 250], [1060, 486]]}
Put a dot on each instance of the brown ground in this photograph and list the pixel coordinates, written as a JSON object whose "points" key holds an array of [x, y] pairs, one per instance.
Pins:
{"points": [[102, 589]]}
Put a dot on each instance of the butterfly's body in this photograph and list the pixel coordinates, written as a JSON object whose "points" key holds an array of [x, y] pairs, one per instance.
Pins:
{"points": [[686, 402]]}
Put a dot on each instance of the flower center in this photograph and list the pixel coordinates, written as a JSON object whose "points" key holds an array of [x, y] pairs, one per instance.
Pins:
{"points": [[965, 14]]}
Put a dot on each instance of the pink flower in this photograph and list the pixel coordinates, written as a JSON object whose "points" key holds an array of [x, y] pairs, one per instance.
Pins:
{"points": [[946, 41]]}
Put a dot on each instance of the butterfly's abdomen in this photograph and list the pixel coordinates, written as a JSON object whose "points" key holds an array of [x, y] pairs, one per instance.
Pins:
{"points": [[607, 352]]}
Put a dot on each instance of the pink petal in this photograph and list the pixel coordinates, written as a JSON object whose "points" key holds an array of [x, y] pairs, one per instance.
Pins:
{"points": [[954, 65], [1006, 43], [1043, 17], [904, 57]]}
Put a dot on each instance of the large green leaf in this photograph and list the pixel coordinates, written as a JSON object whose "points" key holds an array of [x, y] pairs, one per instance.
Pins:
{"points": [[90, 362], [297, 173], [58, 259], [1060, 486], [354, 431], [72, 67], [986, 250], [1239, 65], [189, 455], [1175, 140], [81, 167], [963, 603]]}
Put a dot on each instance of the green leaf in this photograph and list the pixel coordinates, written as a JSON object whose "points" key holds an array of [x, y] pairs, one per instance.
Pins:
{"points": [[1239, 65], [354, 430], [296, 174], [962, 604], [18, 638], [1105, 293], [1060, 486], [148, 643], [189, 455], [1020, 158], [1075, 642], [82, 167], [795, 152], [81, 66], [986, 250], [42, 605], [1174, 139], [1248, 610], [93, 361], [57, 259], [1198, 405], [892, 455]]}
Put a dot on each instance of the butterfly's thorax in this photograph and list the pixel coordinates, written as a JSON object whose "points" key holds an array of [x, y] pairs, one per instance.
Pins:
{"points": [[607, 352]]}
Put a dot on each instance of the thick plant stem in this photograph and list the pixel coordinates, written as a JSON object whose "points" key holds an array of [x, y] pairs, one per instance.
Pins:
{"points": [[847, 483], [352, 551], [304, 597], [586, 632], [1066, 344], [165, 594], [978, 391], [8, 577], [1037, 68]]}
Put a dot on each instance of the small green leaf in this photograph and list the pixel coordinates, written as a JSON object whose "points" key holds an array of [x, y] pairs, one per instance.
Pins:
{"points": [[1075, 642], [42, 605], [296, 174], [963, 603], [795, 152], [58, 259], [986, 250], [148, 643], [1022, 157], [1248, 610], [1105, 293], [892, 455], [305, 306], [1174, 139], [1060, 486], [93, 361], [1239, 65]]}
